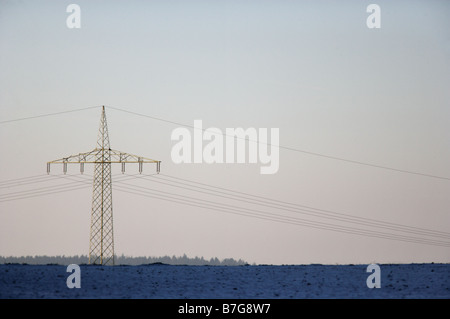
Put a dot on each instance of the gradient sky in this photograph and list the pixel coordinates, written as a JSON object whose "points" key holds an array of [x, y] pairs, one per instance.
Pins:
{"points": [[310, 68]]}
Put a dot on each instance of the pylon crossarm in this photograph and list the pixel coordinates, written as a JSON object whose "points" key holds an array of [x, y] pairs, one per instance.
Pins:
{"points": [[92, 157], [98, 156]]}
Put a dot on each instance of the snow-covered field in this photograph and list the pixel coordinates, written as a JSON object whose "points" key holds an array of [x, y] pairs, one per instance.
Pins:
{"points": [[234, 282]]}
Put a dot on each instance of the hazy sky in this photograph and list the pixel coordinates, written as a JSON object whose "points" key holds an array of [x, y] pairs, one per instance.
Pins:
{"points": [[313, 69]]}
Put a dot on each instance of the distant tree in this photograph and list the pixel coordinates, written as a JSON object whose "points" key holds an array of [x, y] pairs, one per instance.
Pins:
{"points": [[121, 260]]}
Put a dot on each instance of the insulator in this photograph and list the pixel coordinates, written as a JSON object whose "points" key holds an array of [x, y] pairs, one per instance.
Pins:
{"points": [[65, 167], [48, 168], [158, 167], [123, 167], [81, 168], [140, 165]]}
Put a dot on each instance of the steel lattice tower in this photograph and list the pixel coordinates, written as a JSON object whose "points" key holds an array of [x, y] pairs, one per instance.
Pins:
{"points": [[101, 241]]}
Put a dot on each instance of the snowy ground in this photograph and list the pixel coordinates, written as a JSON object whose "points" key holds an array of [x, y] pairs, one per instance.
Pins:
{"points": [[235, 282]]}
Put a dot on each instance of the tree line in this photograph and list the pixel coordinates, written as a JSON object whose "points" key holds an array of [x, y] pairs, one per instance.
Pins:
{"points": [[122, 260]]}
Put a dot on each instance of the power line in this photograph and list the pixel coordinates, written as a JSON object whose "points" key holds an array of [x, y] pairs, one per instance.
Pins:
{"points": [[39, 190], [195, 202], [227, 208], [296, 208], [215, 205], [56, 190], [42, 179], [48, 114], [49, 190], [342, 159], [235, 195], [53, 189], [7, 181], [292, 148]]}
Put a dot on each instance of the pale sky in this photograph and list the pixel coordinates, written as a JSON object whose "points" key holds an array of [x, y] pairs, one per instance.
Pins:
{"points": [[313, 69]]}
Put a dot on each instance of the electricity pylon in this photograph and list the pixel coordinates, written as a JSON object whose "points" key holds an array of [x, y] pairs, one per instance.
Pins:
{"points": [[101, 241]]}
